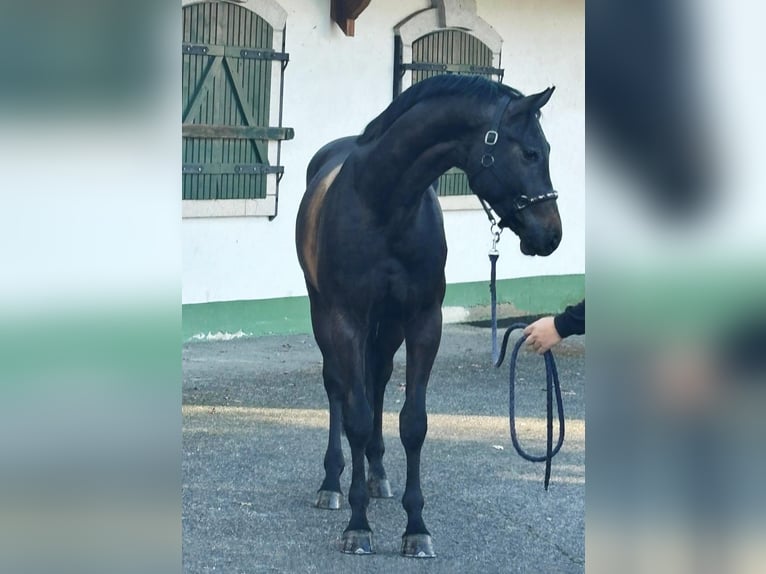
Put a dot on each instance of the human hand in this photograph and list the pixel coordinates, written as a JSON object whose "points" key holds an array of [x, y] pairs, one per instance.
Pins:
{"points": [[542, 335]]}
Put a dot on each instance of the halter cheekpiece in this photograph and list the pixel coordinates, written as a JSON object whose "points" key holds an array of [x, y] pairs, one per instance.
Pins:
{"points": [[488, 159]]}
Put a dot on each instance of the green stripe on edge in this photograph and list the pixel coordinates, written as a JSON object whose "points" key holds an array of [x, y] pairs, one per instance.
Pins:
{"points": [[529, 295]]}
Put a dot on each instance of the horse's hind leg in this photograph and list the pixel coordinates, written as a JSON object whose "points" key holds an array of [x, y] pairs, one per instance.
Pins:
{"points": [[329, 495], [381, 354], [423, 335]]}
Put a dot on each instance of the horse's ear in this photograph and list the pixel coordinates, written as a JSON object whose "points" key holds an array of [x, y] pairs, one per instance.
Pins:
{"points": [[534, 102], [542, 98]]}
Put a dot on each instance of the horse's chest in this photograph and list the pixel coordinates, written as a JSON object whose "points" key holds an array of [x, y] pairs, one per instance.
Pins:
{"points": [[407, 285], [402, 267]]}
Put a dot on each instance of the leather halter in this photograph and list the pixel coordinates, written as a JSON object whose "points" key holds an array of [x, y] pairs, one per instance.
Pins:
{"points": [[488, 161]]}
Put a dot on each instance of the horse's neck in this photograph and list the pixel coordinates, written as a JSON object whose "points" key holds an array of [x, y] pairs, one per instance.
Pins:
{"points": [[400, 165]]}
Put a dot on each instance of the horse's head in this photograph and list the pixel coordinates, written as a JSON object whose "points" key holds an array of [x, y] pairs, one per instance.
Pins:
{"points": [[513, 176]]}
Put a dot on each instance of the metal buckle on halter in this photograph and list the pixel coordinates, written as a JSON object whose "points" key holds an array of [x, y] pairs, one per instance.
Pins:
{"points": [[487, 160], [491, 137]]}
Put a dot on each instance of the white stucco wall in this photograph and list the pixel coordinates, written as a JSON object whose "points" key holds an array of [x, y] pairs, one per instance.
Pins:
{"points": [[334, 85]]}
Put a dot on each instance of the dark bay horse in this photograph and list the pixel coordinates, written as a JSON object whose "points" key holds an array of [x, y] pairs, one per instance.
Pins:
{"points": [[370, 240]]}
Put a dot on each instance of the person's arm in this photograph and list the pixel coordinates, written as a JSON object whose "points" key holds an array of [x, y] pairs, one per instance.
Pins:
{"points": [[571, 321], [548, 331]]}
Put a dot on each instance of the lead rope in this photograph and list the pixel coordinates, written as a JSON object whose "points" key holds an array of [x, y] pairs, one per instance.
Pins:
{"points": [[552, 385], [493, 256], [551, 373]]}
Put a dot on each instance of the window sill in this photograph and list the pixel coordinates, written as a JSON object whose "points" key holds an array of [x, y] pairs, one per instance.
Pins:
{"points": [[195, 208]]}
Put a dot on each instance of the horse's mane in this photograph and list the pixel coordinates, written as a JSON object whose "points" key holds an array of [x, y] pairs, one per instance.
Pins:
{"points": [[444, 85]]}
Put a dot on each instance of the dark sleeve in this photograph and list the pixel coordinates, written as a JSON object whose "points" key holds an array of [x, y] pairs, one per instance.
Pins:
{"points": [[571, 321]]}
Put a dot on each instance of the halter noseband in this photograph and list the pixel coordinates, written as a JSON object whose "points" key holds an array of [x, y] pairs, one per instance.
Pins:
{"points": [[488, 161]]}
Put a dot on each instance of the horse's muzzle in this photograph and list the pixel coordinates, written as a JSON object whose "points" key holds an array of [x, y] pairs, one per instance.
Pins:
{"points": [[537, 242], [540, 241], [547, 248]]}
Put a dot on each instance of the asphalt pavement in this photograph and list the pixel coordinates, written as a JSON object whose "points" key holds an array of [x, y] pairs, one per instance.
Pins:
{"points": [[254, 435]]}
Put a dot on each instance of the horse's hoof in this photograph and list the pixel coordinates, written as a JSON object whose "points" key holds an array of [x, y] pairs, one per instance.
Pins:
{"points": [[357, 542], [379, 488], [418, 546], [328, 500]]}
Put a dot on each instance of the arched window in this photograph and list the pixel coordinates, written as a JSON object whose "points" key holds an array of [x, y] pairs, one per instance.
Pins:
{"points": [[446, 39]]}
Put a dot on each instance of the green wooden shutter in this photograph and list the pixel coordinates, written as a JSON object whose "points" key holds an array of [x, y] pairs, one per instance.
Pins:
{"points": [[227, 58], [451, 52]]}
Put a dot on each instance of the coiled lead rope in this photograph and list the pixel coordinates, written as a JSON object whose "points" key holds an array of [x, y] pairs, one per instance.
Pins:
{"points": [[551, 376]]}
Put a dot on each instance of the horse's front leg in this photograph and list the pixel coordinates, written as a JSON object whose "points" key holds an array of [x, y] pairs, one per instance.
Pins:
{"points": [[423, 335]]}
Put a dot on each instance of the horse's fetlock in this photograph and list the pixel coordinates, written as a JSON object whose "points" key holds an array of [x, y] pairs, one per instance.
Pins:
{"points": [[412, 502], [375, 450], [332, 467], [358, 497]]}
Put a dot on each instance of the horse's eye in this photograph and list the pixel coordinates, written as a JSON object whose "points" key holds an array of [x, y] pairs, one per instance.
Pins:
{"points": [[531, 155]]}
